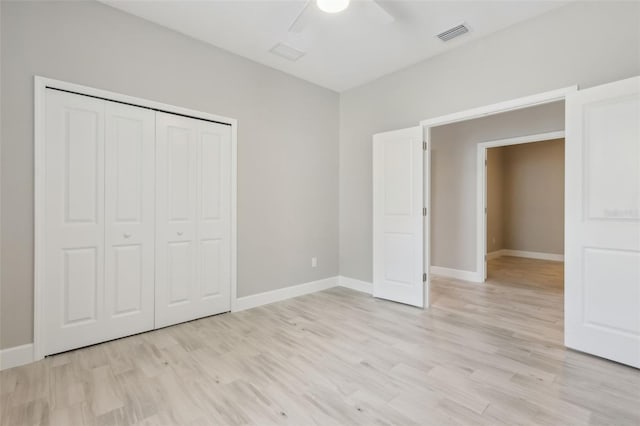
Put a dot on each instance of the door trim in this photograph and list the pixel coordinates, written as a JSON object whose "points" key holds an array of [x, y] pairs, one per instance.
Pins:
{"points": [[481, 192], [39, 277], [497, 108], [426, 218], [492, 109]]}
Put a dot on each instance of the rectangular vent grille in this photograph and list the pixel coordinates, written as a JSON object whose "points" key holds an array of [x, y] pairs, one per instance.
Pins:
{"points": [[287, 52], [453, 32]]}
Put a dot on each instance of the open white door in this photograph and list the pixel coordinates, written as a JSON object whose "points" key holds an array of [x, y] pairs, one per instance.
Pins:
{"points": [[398, 167], [602, 253]]}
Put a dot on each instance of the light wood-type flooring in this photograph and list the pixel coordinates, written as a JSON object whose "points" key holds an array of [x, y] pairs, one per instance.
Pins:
{"points": [[483, 354]]}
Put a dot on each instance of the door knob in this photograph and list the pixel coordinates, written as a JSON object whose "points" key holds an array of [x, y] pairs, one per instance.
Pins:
{"points": [[179, 232], [126, 235]]}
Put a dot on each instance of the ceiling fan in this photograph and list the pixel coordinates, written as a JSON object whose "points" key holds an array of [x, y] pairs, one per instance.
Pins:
{"points": [[377, 10]]}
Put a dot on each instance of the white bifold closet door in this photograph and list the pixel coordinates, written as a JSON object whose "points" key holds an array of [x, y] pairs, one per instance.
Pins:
{"points": [[99, 226], [193, 213]]}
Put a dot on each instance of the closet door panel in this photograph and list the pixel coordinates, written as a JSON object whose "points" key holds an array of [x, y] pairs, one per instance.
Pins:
{"points": [[211, 175], [175, 217], [82, 154], [179, 272], [211, 280], [180, 168], [214, 184], [128, 280], [193, 219], [80, 282], [74, 221], [129, 201]]}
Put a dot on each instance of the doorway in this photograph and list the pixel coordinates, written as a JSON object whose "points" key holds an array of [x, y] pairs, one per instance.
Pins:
{"points": [[520, 199], [601, 212], [523, 224]]}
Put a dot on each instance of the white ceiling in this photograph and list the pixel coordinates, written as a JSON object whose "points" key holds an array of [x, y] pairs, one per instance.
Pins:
{"points": [[343, 50]]}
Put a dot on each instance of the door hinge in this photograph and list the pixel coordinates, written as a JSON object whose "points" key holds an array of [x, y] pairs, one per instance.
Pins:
{"points": [[485, 210], [424, 146], [424, 277], [424, 211], [485, 162]]}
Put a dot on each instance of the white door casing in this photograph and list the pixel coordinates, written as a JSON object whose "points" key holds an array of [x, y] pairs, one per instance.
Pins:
{"points": [[193, 202], [398, 251], [426, 220], [602, 249]]}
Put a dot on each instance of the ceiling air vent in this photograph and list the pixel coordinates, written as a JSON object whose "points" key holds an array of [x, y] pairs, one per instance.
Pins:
{"points": [[454, 32], [287, 52]]}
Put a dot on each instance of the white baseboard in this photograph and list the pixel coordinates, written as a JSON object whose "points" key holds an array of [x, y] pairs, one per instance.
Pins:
{"points": [[528, 254], [354, 284], [494, 254], [16, 356], [457, 274], [267, 297]]}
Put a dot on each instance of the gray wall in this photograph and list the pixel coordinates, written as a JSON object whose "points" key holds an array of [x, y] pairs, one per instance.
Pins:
{"points": [[533, 197], [287, 139], [585, 43], [454, 178]]}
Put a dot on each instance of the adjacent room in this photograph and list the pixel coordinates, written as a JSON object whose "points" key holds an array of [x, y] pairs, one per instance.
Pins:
{"points": [[501, 223], [525, 211], [319, 212]]}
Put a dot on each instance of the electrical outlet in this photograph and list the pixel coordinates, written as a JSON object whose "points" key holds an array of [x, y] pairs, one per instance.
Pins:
{"points": [[314, 262]]}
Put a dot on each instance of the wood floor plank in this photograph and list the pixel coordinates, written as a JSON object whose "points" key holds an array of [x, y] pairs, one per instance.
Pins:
{"points": [[483, 354]]}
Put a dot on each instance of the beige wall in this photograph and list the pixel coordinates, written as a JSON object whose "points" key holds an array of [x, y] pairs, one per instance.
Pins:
{"points": [[560, 48], [287, 138], [454, 179], [534, 197], [525, 197], [495, 200]]}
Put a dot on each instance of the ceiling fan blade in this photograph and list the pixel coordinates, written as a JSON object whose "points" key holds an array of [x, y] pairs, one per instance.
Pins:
{"points": [[303, 18], [381, 13]]}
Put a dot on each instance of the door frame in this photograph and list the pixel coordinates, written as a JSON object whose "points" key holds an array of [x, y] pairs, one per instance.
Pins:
{"points": [[426, 218], [39, 276], [481, 192], [479, 112]]}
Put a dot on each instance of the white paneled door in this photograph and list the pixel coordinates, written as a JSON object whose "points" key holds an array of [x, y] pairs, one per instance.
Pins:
{"points": [[129, 219], [602, 254], [136, 220], [398, 202], [193, 203], [98, 282]]}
